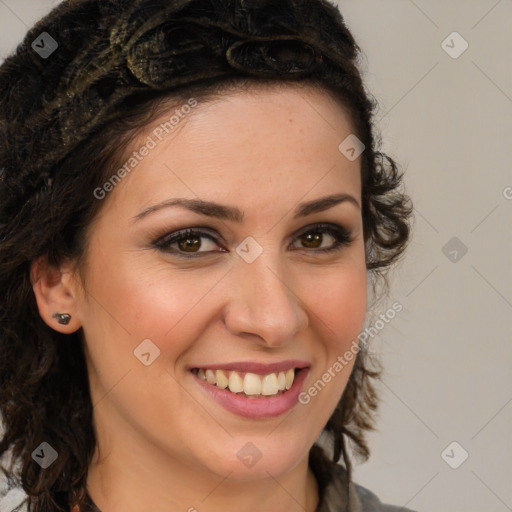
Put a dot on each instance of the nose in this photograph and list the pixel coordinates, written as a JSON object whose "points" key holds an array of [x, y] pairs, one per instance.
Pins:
{"points": [[263, 302]]}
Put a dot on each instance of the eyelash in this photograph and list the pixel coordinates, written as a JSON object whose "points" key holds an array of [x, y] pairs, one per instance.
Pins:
{"points": [[341, 235]]}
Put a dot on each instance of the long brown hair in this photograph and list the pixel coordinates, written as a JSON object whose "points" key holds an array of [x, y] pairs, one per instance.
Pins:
{"points": [[66, 122]]}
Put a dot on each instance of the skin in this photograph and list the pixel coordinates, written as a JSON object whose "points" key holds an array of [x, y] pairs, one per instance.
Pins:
{"points": [[264, 153]]}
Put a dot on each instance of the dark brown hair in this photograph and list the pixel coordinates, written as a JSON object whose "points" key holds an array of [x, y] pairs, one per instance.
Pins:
{"points": [[66, 123]]}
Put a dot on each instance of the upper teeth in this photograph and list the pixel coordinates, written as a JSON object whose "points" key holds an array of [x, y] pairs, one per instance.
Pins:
{"points": [[250, 383]]}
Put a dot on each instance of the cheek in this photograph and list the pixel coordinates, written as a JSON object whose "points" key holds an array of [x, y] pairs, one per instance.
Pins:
{"points": [[145, 299], [339, 315], [341, 305], [130, 302]]}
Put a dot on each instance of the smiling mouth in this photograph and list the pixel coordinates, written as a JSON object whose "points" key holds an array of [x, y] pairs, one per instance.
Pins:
{"points": [[247, 384]]}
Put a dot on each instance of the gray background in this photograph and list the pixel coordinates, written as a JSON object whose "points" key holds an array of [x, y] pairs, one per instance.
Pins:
{"points": [[448, 121]]}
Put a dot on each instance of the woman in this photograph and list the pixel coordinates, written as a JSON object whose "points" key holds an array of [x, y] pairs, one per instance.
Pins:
{"points": [[192, 206]]}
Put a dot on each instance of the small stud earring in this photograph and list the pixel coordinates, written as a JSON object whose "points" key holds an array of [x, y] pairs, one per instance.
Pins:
{"points": [[63, 318]]}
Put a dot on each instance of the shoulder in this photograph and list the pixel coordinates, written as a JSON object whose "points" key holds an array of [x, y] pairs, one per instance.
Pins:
{"points": [[338, 495], [371, 503]]}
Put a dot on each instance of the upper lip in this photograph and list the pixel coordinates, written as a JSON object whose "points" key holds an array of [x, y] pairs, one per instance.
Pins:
{"points": [[254, 367]]}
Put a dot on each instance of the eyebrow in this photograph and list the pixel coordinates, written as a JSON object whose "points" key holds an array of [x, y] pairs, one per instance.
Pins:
{"points": [[233, 214]]}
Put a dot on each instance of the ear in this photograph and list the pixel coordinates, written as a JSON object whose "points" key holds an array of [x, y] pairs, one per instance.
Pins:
{"points": [[56, 292]]}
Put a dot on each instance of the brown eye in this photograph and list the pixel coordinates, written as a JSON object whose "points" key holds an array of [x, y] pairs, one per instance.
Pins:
{"points": [[313, 238], [188, 241], [191, 243]]}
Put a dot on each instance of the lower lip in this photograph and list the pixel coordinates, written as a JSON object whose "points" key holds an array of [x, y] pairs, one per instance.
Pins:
{"points": [[257, 407]]}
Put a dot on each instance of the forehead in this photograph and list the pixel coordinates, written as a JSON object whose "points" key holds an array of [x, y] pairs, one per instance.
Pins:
{"points": [[288, 102], [243, 144]]}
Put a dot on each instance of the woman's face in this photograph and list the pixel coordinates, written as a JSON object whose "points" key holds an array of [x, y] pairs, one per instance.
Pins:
{"points": [[256, 294]]}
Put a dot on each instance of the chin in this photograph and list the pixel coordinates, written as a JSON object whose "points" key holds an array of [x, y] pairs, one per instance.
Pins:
{"points": [[256, 458]]}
